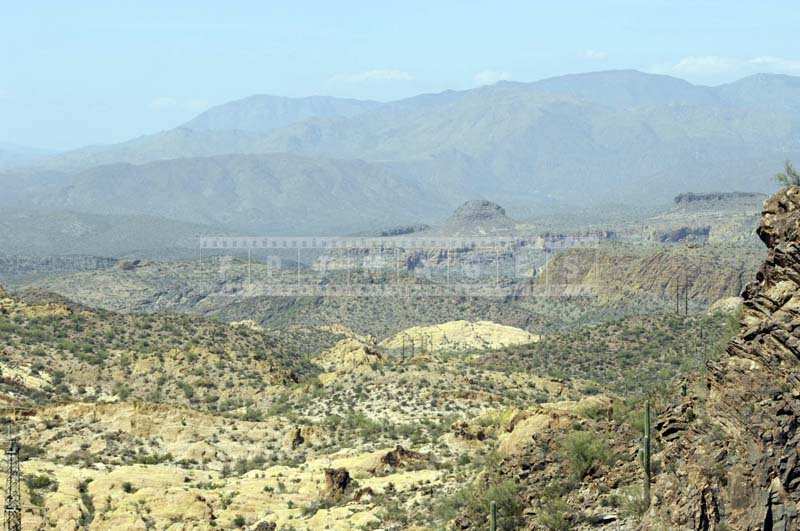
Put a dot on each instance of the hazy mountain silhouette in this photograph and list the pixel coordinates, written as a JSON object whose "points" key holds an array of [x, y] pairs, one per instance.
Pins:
{"points": [[13, 155], [268, 192], [263, 113], [573, 140]]}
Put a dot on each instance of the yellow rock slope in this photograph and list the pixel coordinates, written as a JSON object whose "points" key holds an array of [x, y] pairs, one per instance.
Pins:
{"points": [[459, 336]]}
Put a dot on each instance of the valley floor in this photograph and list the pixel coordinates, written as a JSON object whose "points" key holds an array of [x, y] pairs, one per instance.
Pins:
{"points": [[177, 422]]}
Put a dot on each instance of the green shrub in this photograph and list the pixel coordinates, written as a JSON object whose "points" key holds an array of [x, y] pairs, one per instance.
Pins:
{"points": [[583, 450], [553, 515], [253, 415], [474, 501], [40, 482]]}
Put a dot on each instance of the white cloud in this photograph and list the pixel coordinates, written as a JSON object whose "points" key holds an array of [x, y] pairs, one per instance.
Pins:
{"points": [[489, 77], [715, 65], [595, 55], [374, 75]]}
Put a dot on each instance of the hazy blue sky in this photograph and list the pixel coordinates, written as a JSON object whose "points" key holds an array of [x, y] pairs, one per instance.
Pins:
{"points": [[82, 72]]}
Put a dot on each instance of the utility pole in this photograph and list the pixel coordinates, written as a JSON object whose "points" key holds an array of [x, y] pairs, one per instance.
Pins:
{"points": [[686, 294], [741, 285], [13, 506]]}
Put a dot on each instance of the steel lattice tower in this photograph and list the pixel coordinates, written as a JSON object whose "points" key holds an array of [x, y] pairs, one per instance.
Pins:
{"points": [[13, 506]]}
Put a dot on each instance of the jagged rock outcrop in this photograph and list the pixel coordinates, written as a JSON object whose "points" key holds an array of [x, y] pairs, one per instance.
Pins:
{"points": [[336, 481], [731, 461], [294, 439], [348, 356], [468, 432], [399, 458]]}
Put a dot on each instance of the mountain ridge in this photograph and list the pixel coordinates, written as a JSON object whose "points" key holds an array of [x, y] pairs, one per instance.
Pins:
{"points": [[572, 140], [256, 192], [261, 113]]}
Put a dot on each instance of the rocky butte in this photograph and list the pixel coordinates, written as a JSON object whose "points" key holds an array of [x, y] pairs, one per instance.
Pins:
{"points": [[478, 217]]}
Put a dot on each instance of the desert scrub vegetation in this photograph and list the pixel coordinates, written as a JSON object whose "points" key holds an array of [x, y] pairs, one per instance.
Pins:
{"points": [[473, 501], [789, 176], [633, 357], [479, 484], [38, 485], [583, 451], [554, 511], [127, 355]]}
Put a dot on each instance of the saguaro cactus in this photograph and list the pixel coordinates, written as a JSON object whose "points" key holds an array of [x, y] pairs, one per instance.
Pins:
{"points": [[646, 454], [493, 516]]}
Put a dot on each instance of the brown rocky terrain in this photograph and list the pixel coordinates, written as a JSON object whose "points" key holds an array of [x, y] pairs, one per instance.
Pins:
{"points": [[311, 414], [733, 456], [724, 451]]}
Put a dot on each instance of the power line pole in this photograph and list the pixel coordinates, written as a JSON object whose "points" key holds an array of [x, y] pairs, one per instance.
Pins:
{"points": [[741, 285], [686, 294], [13, 506]]}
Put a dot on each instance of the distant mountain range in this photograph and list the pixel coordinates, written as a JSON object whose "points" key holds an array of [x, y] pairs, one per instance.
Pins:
{"points": [[275, 192], [55, 233], [263, 113], [13, 155], [272, 164]]}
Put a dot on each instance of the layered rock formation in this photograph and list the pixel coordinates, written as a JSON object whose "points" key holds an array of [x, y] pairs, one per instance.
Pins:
{"points": [[628, 272], [731, 461]]}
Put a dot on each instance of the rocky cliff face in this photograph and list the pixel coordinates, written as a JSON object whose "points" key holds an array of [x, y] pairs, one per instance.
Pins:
{"points": [[731, 461], [630, 273]]}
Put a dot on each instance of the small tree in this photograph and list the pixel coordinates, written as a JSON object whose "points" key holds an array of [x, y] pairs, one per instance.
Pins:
{"points": [[789, 176]]}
